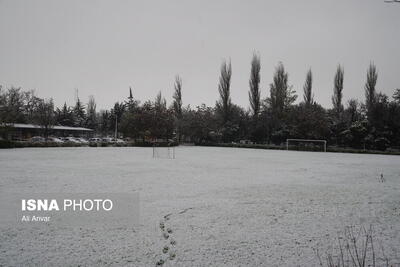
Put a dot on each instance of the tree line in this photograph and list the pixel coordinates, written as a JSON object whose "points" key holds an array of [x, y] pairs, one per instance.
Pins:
{"points": [[371, 124]]}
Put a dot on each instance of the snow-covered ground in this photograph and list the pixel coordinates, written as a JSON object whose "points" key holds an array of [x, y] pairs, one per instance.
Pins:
{"points": [[224, 206]]}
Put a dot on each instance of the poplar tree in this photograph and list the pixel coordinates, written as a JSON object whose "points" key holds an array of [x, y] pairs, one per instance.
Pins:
{"points": [[177, 105], [281, 94], [338, 91], [370, 93], [308, 96], [254, 83], [224, 104]]}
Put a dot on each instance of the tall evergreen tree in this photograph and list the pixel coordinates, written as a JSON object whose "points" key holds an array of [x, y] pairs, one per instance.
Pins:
{"points": [[118, 111], [338, 91], [254, 83], [65, 116], [79, 114], [130, 98], [131, 104], [370, 93], [308, 96], [224, 103]]}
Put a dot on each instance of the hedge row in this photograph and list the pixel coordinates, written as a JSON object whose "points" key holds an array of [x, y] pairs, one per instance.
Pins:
{"points": [[388, 151], [12, 144], [18, 144]]}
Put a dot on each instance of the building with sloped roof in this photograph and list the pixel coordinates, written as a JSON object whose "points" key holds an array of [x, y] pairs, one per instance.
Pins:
{"points": [[22, 131]]}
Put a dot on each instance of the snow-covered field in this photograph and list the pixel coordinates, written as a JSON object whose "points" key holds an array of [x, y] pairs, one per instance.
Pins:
{"points": [[225, 206]]}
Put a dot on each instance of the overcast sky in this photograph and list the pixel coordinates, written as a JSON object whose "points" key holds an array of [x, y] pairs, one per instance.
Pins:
{"points": [[103, 47]]}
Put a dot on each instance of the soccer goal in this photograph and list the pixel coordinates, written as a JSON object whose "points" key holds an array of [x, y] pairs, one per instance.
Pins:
{"points": [[163, 152], [306, 144]]}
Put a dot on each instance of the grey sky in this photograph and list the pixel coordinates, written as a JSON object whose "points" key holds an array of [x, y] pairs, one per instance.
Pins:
{"points": [[103, 47]]}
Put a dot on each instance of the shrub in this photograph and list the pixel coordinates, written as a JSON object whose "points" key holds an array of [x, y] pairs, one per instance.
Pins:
{"points": [[354, 248], [382, 143], [7, 144], [104, 144]]}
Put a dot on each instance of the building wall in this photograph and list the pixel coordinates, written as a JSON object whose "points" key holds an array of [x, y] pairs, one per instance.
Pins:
{"points": [[26, 133]]}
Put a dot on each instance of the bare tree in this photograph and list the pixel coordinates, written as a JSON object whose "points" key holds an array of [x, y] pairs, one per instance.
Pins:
{"points": [[396, 95], [91, 120], [13, 105], [308, 96], [2, 105], [352, 110], [45, 115], [224, 103], [254, 82], [31, 102]]}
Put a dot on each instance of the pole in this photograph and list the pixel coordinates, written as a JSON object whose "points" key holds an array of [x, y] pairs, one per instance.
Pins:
{"points": [[116, 128]]}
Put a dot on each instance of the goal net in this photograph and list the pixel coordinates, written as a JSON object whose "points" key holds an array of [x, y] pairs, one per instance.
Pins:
{"points": [[306, 144], [164, 152]]}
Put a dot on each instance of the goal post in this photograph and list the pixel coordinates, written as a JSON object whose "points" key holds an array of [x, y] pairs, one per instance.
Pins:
{"points": [[312, 142], [164, 152]]}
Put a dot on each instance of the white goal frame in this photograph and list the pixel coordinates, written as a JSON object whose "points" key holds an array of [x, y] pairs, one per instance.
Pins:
{"points": [[170, 149], [306, 140]]}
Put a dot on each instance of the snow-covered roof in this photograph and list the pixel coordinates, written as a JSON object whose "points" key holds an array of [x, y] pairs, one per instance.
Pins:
{"points": [[55, 127]]}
